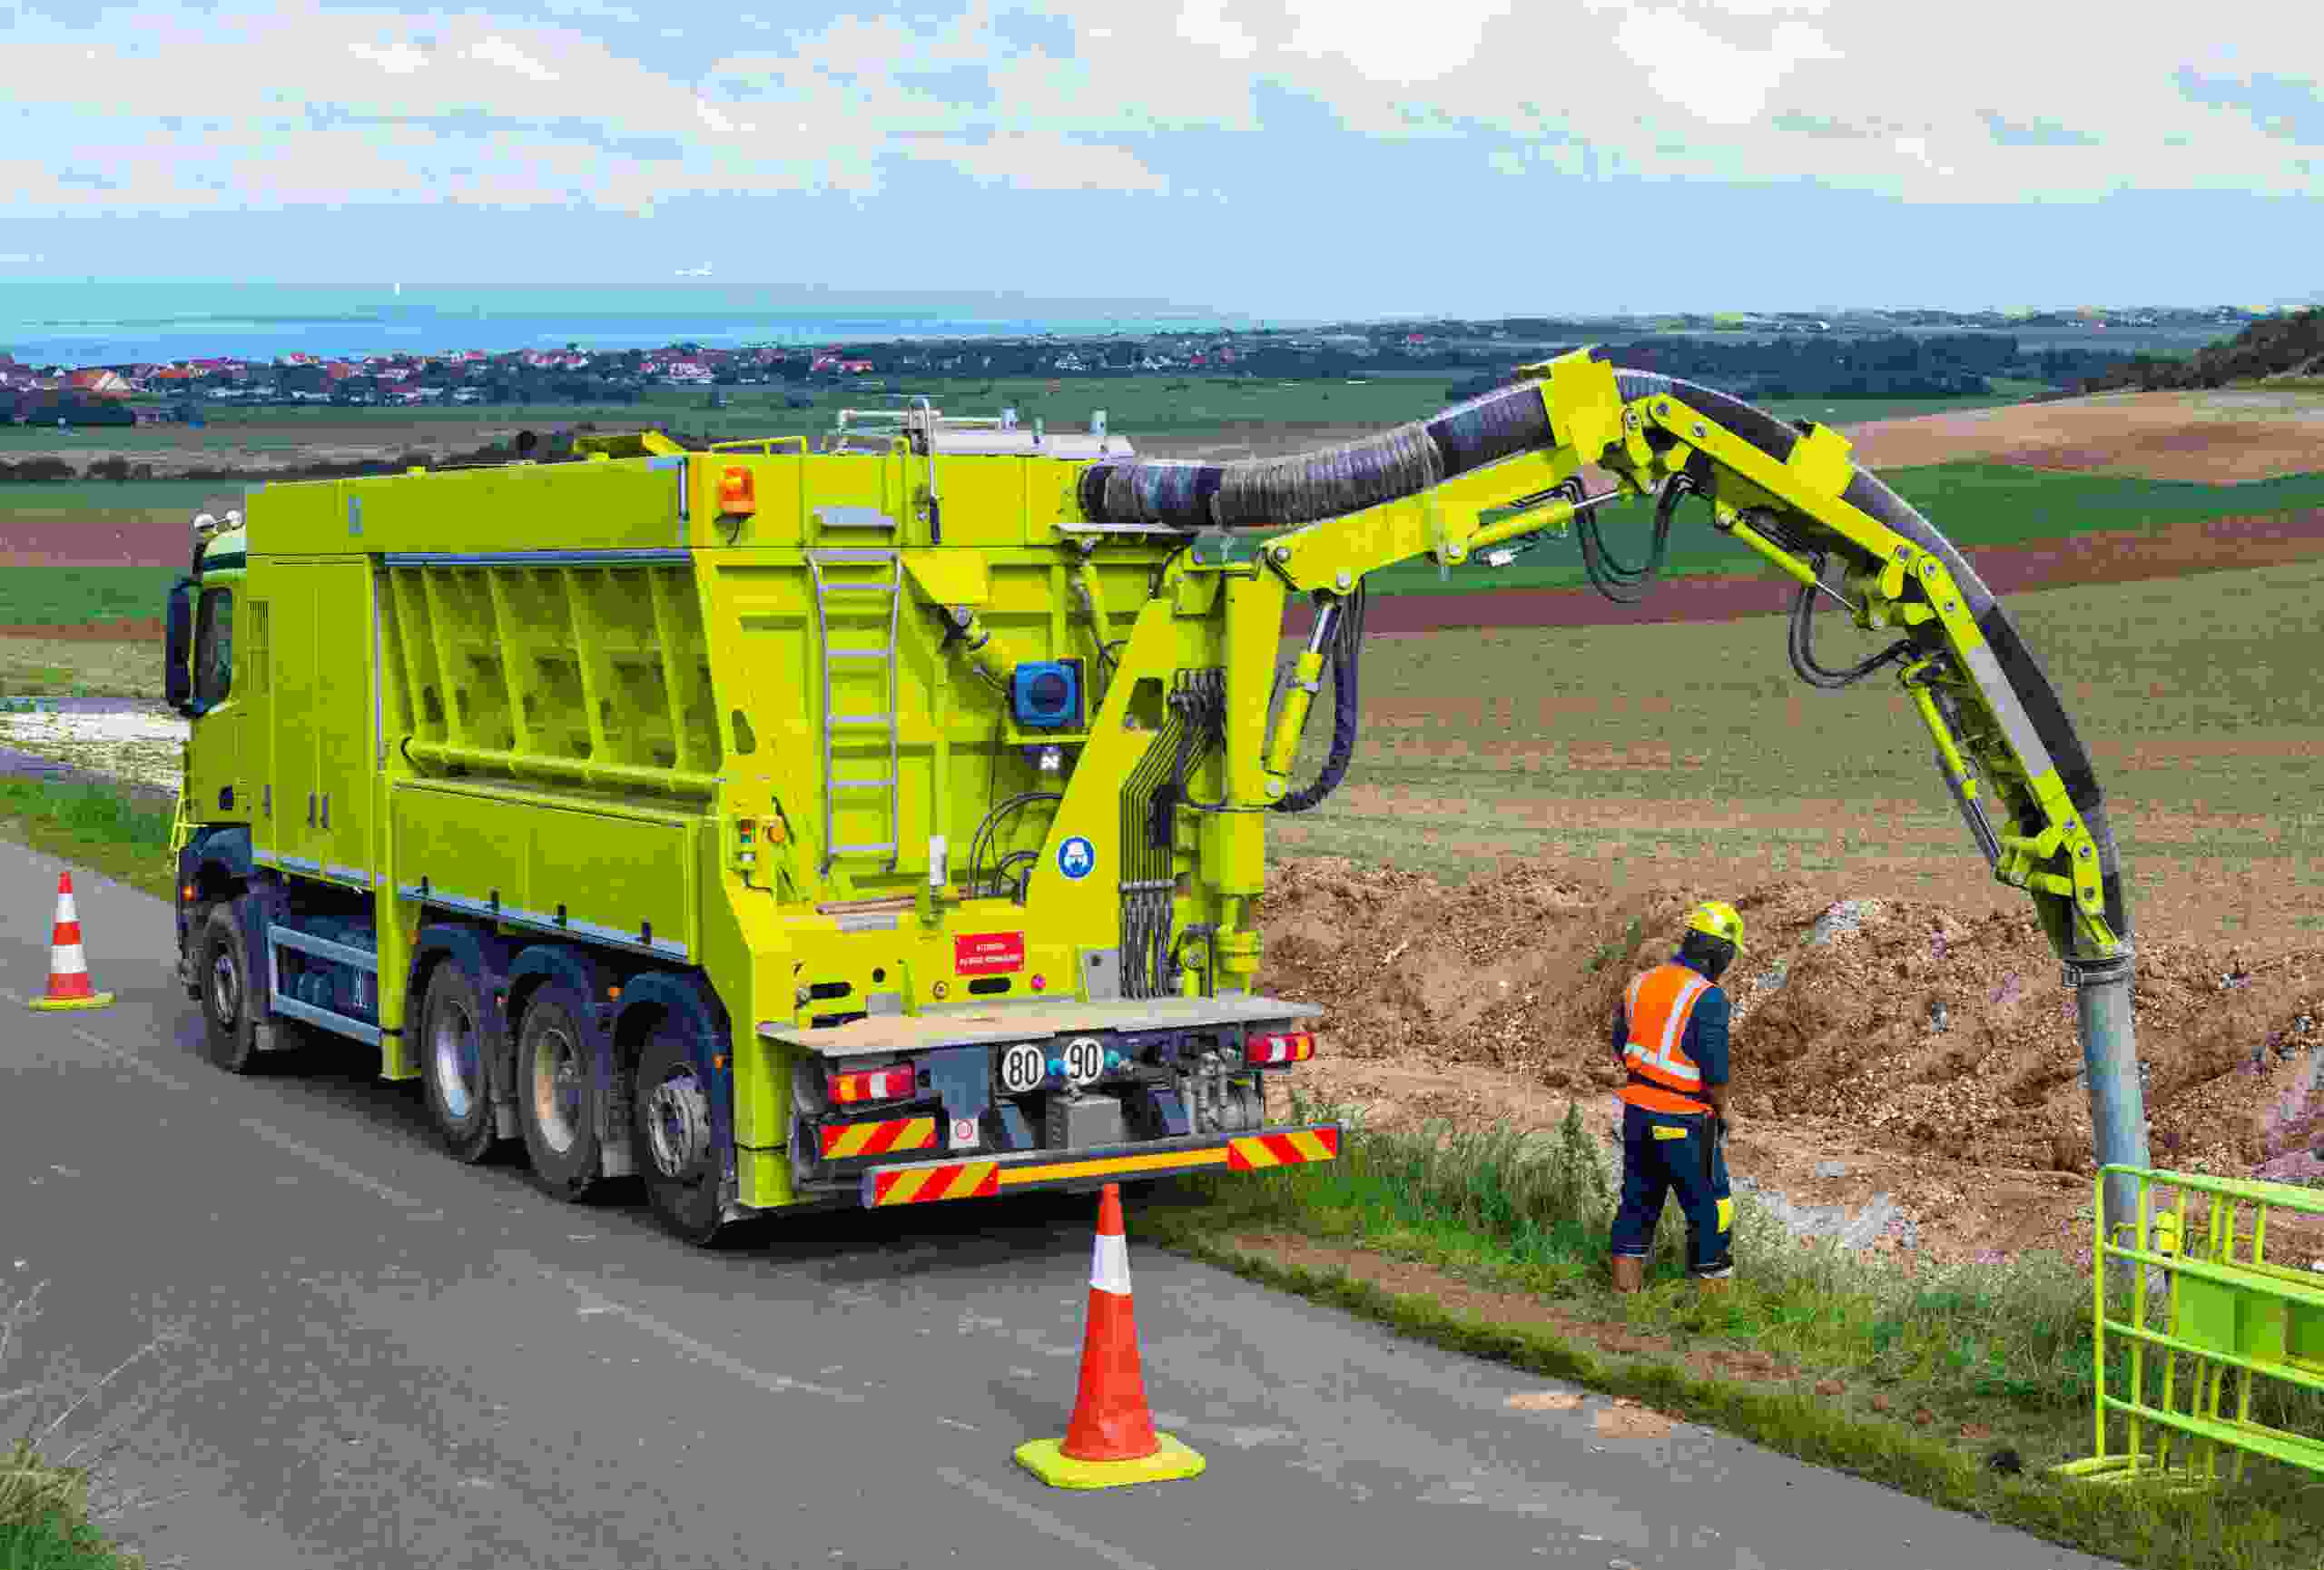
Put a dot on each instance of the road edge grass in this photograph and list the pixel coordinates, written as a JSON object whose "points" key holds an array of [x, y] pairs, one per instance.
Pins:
{"points": [[92, 825], [2235, 1527], [50, 1510]]}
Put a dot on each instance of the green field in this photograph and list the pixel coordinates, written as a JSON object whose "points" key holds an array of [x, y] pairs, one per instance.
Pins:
{"points": [[1975, 505], [72, 595], [1689, 741], [1135, 406], [76, 497]]}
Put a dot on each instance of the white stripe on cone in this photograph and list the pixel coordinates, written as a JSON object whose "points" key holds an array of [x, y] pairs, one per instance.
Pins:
{"points": [[1110, 1265], [64, 910], [67, 960]]}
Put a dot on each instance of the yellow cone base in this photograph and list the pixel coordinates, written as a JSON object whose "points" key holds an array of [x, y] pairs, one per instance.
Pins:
{"points": [[51, 1005], [1045, 1459]]}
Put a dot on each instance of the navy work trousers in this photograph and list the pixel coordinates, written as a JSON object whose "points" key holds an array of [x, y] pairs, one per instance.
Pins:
{"points": [[1667, 1150]]}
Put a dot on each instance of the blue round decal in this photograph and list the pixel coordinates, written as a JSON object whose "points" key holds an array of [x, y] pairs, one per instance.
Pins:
{"points": [[1077, 858]]}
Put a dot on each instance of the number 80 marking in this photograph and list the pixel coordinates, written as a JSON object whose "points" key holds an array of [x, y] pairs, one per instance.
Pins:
{"points": [[1023, 1068]]}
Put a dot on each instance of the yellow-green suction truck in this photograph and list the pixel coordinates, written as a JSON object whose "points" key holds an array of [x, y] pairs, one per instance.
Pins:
{"points": [[781, 828]]}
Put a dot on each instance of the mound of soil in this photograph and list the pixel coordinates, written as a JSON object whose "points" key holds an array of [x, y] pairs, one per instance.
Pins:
{"points": [[1939, 1052]]}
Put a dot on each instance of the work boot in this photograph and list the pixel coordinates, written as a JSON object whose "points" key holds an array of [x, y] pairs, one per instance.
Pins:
{"points": [[1713, 1283], [1629, 1273]]}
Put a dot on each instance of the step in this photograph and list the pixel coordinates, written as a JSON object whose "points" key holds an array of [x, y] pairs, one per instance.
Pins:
{"points": [[853, 517]]}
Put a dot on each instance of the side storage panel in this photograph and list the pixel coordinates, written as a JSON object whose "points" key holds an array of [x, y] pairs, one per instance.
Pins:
{"points": [[617, 874], [294, 830], [346, 720]]}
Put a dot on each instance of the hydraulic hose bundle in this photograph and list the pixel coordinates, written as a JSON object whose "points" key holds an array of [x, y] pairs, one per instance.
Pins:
{"points": [[1347, 641]]}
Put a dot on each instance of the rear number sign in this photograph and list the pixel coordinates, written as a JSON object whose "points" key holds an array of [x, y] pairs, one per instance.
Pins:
{"points": [[1085, 1060], [989, 954], [1022, 1068]]}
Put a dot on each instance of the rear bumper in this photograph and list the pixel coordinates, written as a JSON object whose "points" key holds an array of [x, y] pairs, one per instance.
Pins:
{"points": [[985, 1177]]}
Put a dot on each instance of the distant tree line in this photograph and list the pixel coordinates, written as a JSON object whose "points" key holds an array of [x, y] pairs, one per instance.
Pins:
{"points": [[1895, 365], [2290, 345]]}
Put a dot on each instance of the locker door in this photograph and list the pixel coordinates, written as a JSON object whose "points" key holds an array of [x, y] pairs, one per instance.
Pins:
{"points": [[347, 717], [292, 631]]}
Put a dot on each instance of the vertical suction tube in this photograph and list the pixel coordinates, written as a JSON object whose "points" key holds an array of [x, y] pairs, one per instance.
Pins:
{"points": [[1284, 492]]}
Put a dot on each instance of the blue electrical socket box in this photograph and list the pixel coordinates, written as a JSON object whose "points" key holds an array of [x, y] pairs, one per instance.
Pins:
{"points": [[1046, 694]]}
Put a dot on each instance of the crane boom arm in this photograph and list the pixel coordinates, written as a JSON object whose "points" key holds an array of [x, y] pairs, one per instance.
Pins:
{"points": [[2007, 752]]}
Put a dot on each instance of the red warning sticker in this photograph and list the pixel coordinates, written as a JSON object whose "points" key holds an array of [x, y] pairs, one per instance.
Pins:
{"points": [[989, 954]]}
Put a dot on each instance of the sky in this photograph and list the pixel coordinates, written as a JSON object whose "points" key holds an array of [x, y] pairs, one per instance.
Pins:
{"points": [[1303, 158]]}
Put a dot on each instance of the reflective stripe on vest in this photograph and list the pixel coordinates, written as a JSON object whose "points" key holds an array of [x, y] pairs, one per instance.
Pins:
{"points": [[1658, 1005]]}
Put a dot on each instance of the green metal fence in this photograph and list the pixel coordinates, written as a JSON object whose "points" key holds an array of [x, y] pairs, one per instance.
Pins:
{"points": [[2237, 1330]]}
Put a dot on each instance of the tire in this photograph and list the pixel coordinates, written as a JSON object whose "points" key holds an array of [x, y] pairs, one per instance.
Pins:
{"points": [[230, 1024], [557, 1093], [670, 1131], [455, 1060]]}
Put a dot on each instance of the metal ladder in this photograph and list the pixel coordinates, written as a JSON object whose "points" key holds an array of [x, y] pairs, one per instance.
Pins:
{"points": [[818, 564]]}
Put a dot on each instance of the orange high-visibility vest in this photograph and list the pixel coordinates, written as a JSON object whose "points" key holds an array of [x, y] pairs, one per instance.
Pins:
{"points": [[1663, 1077]]}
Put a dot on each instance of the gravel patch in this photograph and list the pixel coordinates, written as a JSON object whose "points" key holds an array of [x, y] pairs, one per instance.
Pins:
{"points": [[108, 740]]}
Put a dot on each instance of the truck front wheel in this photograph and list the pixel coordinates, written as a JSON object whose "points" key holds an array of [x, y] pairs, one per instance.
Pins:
{"points": [[228, 1008], [670, 1125], [558, 1093]]}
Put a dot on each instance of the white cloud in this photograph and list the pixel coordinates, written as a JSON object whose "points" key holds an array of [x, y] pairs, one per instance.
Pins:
{"points": [[1846, 94], [1205, 23], [396, 59], [497, 50], [1390, 42], [1040, 163], [1691, 66]]}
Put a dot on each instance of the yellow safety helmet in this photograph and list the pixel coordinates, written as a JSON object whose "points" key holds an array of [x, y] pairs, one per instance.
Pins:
{"points": [[1717, 919]]}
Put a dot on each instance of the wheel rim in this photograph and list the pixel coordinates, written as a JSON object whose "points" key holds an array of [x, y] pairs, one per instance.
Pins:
{"points": [[557, 1089], [459, 1064], [677, 1124], [226, 988]]}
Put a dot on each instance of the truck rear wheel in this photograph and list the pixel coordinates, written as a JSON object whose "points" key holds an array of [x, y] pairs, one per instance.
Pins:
{"points": [[454, 1054], [558, 1094], [228, 1008], [670, 1125]]}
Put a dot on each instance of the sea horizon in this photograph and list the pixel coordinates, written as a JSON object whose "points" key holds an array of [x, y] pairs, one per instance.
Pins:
{"points": [[110, 324]]}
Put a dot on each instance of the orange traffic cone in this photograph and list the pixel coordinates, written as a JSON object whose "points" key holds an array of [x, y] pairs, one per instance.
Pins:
{"points": [[1111, 1439], [68, 967]]}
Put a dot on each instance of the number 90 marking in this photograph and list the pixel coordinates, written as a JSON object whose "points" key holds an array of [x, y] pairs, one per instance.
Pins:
{"points": [[1023, 1068], [1085, 1060]]}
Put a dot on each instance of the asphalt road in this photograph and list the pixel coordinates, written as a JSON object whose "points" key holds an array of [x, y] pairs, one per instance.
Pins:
{"points": [[379, 1357]]}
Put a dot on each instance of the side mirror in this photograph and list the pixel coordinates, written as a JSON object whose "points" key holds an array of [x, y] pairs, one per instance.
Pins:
{"points": [[177, 647]]}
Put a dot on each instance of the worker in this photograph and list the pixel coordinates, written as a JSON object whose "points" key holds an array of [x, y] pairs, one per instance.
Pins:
{"points": [[1670, 1032]]}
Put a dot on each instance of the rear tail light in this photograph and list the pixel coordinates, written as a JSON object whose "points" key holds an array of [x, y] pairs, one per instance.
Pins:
{"points": [[873, 1084], [1279, 1047]]}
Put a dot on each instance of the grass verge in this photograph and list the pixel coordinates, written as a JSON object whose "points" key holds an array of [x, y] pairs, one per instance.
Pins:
{"points": [[50, 1510], [1958, 1385], [93, 827]]}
